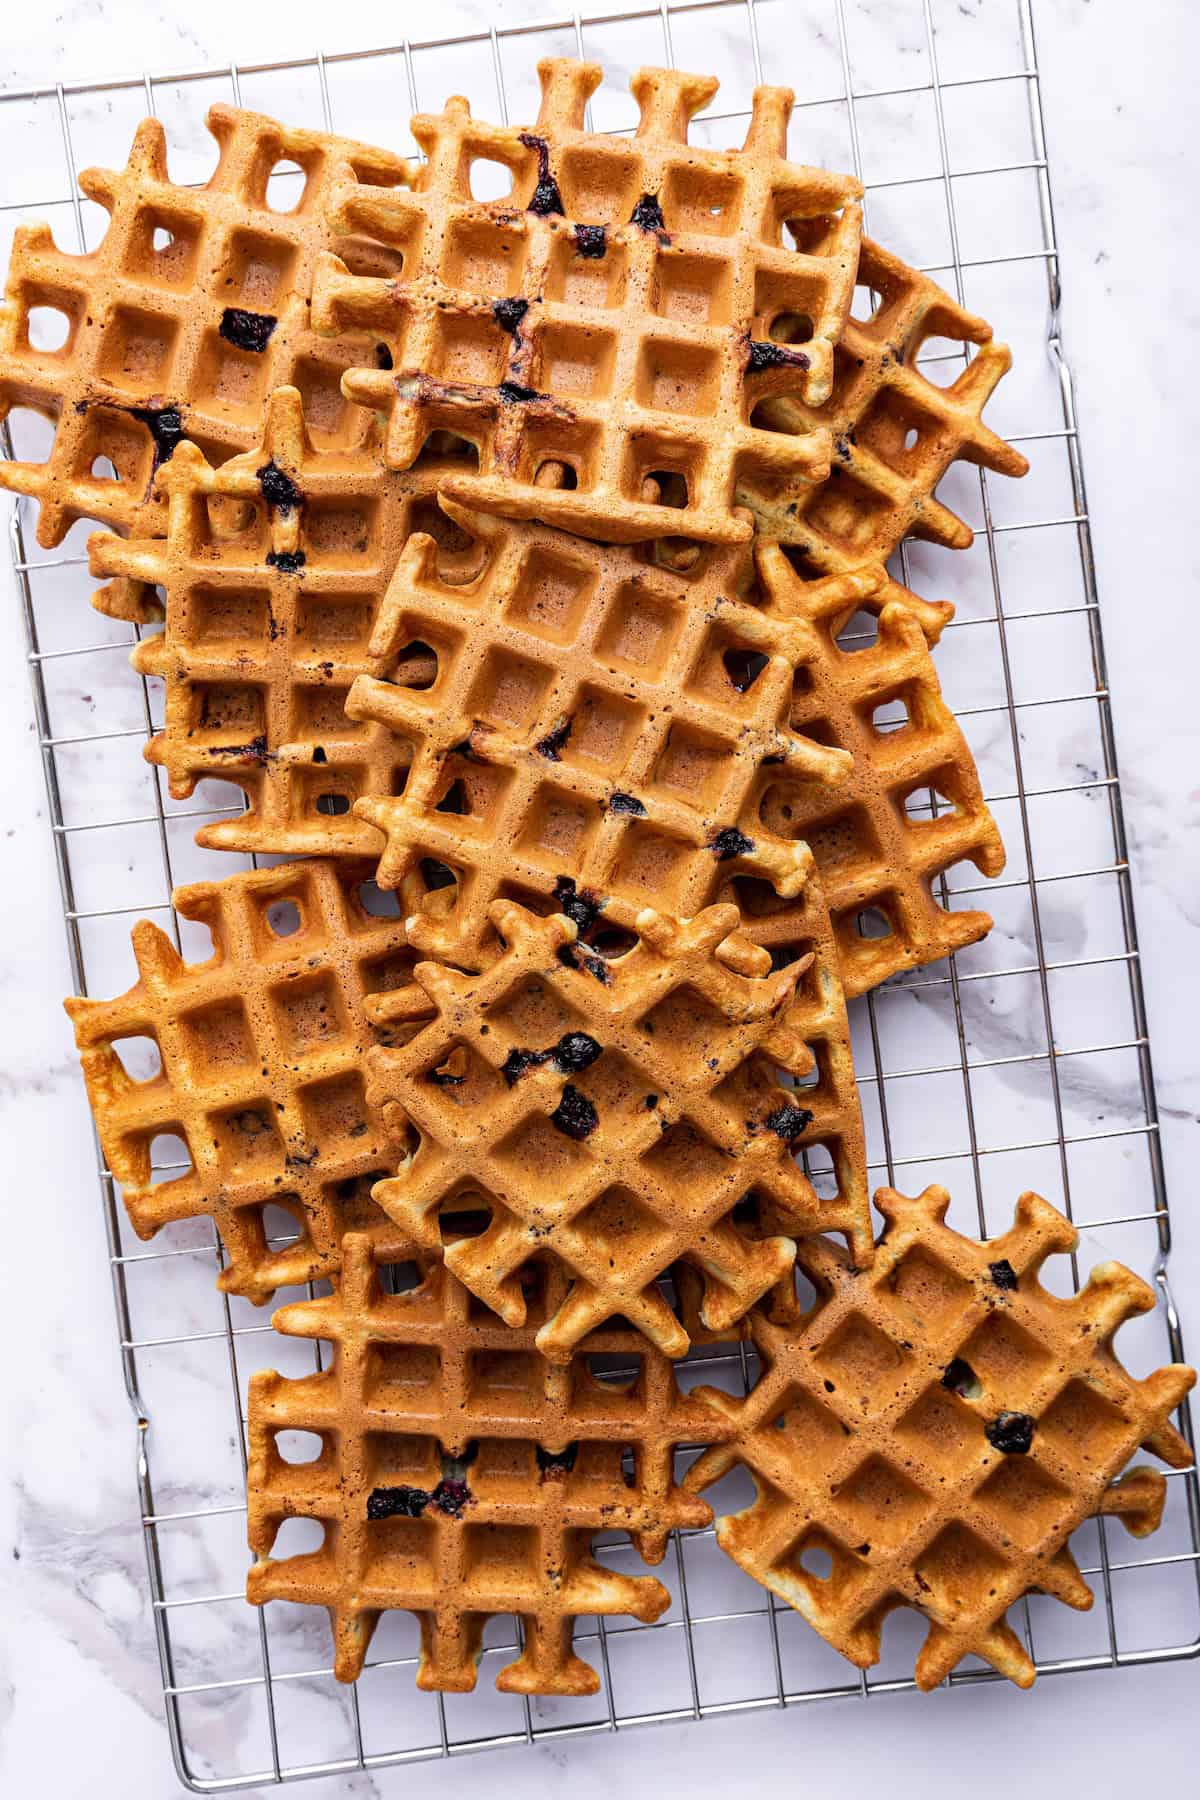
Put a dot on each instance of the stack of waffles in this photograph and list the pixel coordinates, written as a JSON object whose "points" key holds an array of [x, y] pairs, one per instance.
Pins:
{"points": [[523, 564]]}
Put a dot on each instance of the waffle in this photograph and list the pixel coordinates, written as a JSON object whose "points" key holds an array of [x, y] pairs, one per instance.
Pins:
{"points": [[911, 807], [598, 716], [937, 1427], [607, 1117], [183, 340], [273, 566], [603, 333], [261, 1050], [583, 721], [881, 485], [462, 1476]]}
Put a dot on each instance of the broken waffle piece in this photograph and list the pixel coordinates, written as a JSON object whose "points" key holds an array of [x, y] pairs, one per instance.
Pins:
{"points": [[602, 332], [260, 1088], [896, 429], [188, 314], [461, 1476], [608, 1117], [934, 1429], [273, 566]]}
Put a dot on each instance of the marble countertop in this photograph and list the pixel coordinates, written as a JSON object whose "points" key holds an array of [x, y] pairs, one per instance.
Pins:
{"points": [[80, 1702]]}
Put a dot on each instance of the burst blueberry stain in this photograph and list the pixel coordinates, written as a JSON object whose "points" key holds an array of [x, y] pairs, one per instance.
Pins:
{"points": [[1011, 1433], [513, 393], [789, 1122], [766, 355], [554, 742], [648, 214], [278, 489], [247, 330], [288, 562], [579, 905], [591, 241], [626, 803], [546, 197], [730, 843], [509, 313], [165, 425], [575, 1051], [574, 1116], [397, 1502], [1003, 1274]]}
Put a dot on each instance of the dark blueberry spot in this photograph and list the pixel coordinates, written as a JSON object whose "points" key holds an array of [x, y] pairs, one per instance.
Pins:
{"points": [[450, 1496], [1003, 1274], [247, 330], [650, 1102], [165, 427], [1011, 1432], [554, 742], [730, 843], [772, 356], [572, 957], [254, 751], [278, 490], [789, 1122], [591, 240], [581, 907], [519, 1062], [960, 1378], [626, 803], [574, 1051], [513, 392], [319, 755], [397, 1503], [509, 313], [648, 214], [286, 561], [546, 197], [574, 1116], [556, 1462], [842, 449], [383, 357]]}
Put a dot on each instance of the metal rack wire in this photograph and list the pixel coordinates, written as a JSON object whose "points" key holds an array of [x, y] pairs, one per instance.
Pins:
{"points": [[1046, 1020]]}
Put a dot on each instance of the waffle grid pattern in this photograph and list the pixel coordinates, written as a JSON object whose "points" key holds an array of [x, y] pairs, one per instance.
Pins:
{"points": [[936, 1428], [488, 1470], [191, 311], [609, 1117], [273, 565], [644, 272], [261, 1052]]}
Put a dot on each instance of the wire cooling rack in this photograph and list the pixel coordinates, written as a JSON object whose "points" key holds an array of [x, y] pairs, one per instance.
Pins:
{"points": [[1024, 1063]]}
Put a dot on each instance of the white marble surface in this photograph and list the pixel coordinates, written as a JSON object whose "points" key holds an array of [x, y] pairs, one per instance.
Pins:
{"points": [[80, 1708]]}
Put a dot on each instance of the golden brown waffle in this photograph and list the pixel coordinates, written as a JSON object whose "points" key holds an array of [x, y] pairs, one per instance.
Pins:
{"points": [[937, 1427], [462, 1476], [273, 566], [608, 1117], [183, 340], [878, 840], [657, 735], [604, 332], [592, 717], [261, 1050], [895, 432]]}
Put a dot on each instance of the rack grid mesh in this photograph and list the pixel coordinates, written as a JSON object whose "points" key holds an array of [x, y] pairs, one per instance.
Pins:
{"points": [[1022, 1063]]}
